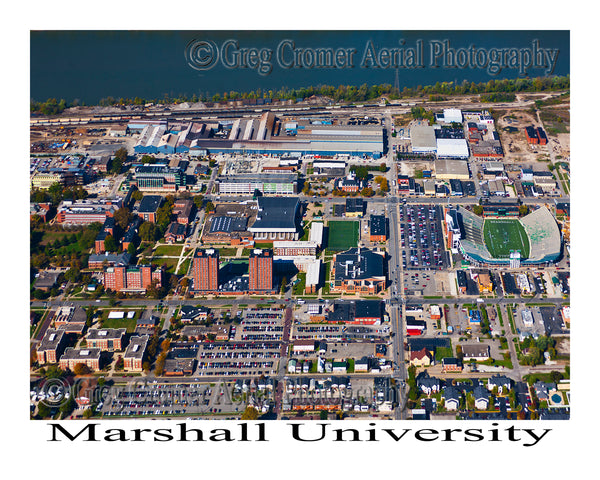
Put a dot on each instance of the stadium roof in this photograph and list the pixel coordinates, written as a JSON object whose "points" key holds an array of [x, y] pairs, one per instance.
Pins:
{"points": [[544, 236]]}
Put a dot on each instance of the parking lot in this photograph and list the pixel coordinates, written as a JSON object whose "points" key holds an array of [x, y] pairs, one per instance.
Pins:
{"points": [[259, 325], [342, 333], [168, 399], [419, 283], [238, 359], [421, 237]]}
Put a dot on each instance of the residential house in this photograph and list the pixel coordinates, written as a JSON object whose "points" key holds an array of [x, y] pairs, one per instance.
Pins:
{"points": [[421, 358], [427, 384], [477, 351], [451, 398], [501, 381], [482, 398]]}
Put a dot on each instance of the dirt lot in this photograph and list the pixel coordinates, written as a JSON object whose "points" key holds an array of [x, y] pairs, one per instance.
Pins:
{"points": [[563, 347], [510, 126]]}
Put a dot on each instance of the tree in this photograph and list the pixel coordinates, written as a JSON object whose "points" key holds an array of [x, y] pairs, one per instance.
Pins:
{"points": [[73, 275], [148, 232], [110, 244], [210, 206], [283, 284], [367, 192], [81, 369], [68, 407], [123, 217], [323, 415], [478, 209], [121, 155], [523, 210], [250, 413], [131, 249], [137, 195], [382, 167], [384, 185], [148, 159], [43, 410], [198, 199], [361, 172], [159, 367]]}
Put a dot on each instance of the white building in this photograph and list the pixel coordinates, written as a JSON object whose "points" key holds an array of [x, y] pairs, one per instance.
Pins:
{"points": [[452, 115], [316, 233], [523, 283], [527, 318], [452, 148]]}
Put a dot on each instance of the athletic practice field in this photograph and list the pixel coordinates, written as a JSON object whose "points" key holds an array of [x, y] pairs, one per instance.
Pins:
{"points": [[343, 235], [502, 236]]}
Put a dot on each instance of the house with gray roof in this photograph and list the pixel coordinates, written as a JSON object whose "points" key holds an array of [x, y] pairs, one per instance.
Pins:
{"points": [[451, 398], [482, 398], [501, 381], [427, 384]]}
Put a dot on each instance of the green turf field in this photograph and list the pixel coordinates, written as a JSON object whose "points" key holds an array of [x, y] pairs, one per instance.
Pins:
{"points": [[343, 235], [502, 236]]}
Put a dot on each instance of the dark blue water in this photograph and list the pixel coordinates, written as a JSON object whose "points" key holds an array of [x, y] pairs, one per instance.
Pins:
{"points": [[90, 65]]}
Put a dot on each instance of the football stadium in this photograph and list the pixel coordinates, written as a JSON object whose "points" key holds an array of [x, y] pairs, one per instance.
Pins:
{"points": [[535, 236]]}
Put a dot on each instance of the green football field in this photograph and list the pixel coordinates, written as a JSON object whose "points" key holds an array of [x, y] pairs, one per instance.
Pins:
{"points": [[343, 235], [502, 236]]}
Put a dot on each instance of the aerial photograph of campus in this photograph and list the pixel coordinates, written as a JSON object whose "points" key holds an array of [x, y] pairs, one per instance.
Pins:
{"points": [[366, 243]]}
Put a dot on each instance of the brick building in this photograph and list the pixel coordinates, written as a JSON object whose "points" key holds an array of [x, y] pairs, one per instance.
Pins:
{"points": [[358, 270], [261, 270], [132, 278], [106, 339], [51, 347], [205, 270], [134, 354], [149, 205], [378, 228], [87, 356]]}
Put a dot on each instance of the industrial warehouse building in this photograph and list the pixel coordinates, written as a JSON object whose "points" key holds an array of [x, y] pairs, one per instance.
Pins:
{"points": [[452, 148], [451, 169], [422, 139], [260, 136]]}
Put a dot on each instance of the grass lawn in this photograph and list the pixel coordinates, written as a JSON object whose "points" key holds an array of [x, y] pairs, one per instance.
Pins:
{"points": [[168, 250], [298, 289], [227, 252], [342, 235], [502, 236], [128, 323], [183, 269], [51, 237], [171, 263]]}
